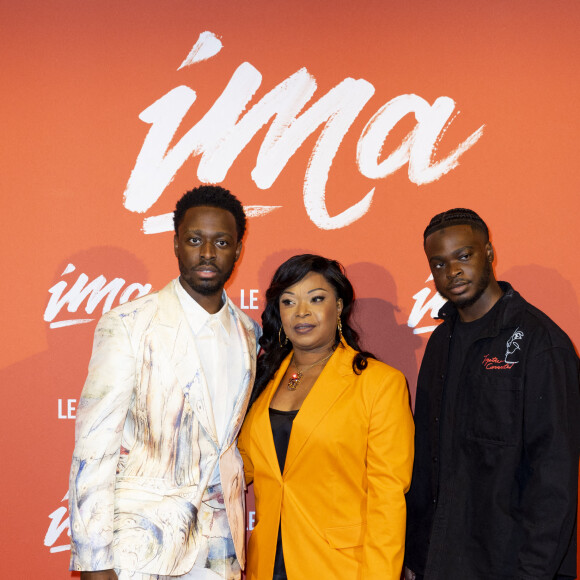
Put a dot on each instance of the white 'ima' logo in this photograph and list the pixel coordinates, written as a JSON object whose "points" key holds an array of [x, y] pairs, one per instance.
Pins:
{"points": [[425, 302], [229, 125], [58, 534], [93, 292]]}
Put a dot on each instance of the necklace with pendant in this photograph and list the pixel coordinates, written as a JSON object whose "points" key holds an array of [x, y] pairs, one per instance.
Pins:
{"points": [[296, 377]]}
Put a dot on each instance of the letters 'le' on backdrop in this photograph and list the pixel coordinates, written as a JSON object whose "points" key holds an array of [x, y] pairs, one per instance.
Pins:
{"points": [[342, 127]]}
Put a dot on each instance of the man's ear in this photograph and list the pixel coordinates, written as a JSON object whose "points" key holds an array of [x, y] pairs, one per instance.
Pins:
{"points": [[175, 244], [489, 252], [238, 250]]}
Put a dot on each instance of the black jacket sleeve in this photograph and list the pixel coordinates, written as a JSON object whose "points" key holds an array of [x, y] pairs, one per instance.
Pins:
{"points": [[549, 474]]}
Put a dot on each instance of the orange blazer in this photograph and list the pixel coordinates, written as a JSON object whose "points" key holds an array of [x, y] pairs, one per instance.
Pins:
{"points": [[341, 498]]}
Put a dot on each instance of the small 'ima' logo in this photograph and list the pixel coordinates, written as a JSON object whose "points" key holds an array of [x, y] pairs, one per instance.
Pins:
{"points": [[91, 294], [58, 534], [425, 302]]}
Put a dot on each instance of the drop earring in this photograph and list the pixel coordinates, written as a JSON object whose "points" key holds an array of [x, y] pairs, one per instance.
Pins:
{"points": [[282, 344]]}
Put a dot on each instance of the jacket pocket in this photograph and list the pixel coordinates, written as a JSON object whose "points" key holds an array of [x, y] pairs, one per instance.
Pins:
{"points": [[154, 524], [346, 536], [495, 411]]}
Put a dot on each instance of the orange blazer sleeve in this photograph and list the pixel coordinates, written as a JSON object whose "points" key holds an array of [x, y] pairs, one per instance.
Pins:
{"points": [[389, 466]]}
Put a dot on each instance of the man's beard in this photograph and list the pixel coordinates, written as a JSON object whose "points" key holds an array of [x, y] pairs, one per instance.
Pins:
{"points": [[482, 284], [206, 287]]}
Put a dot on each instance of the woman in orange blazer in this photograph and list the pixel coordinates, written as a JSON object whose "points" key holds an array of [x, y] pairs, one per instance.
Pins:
{"points": [[328, 442]]}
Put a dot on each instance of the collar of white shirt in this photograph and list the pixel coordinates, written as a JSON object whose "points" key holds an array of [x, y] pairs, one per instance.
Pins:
{"points": [[198, 316]]}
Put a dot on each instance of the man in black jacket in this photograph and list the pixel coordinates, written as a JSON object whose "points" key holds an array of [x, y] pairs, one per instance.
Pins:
{"points": [[495, 480]]}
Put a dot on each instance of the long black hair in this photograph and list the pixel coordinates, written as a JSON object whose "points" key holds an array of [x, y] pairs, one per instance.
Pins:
{"points": [[289, 273]]}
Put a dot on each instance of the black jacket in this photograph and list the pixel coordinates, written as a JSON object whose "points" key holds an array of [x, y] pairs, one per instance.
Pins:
{"points": [[510, 499]]}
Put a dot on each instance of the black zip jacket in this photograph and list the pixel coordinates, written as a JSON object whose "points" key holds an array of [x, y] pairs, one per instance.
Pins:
{"points": [[507, 508]]}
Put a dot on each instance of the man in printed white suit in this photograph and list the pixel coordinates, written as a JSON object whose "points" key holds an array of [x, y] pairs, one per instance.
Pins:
{"points": [[156, 484]]}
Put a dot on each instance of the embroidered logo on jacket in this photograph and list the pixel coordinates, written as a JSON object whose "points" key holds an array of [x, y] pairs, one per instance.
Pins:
{"points": [[494, 363], [511, 349], [511, 346]]}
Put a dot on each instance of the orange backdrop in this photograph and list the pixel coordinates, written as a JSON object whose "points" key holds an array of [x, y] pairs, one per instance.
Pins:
{"points": [[342, 126]]}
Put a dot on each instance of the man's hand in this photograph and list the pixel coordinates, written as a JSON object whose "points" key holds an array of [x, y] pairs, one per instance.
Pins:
{"points": [[409, 574], [100, 575]]}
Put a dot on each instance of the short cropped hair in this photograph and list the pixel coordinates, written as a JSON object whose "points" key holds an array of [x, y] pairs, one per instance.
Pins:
{"points": [[458, 216], [211, 196]]}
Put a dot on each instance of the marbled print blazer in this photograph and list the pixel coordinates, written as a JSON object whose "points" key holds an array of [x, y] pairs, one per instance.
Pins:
{"points": [[146, 444]]}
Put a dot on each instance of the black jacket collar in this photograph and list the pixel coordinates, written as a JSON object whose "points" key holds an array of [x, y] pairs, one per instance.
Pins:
{"points": [[506, 309]]}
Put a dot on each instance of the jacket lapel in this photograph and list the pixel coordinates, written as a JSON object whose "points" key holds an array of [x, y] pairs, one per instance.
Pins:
{"points": [[262, 418], [248, 340], [330, 385], [179, 346]]}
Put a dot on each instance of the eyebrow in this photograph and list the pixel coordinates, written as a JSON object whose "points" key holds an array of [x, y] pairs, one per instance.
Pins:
{"points": [[454, 253], [309, 291], [214, 234]]}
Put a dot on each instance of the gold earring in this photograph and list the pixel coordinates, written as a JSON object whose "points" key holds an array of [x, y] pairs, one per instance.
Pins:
{"points": [[282, 344], [339, 325]]}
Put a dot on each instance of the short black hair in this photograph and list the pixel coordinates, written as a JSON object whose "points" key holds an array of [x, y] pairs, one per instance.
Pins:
{"points": [[458, 216], [211, 196]]}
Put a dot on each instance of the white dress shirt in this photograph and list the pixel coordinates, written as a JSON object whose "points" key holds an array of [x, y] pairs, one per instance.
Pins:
{"points": [[219, 347]]}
